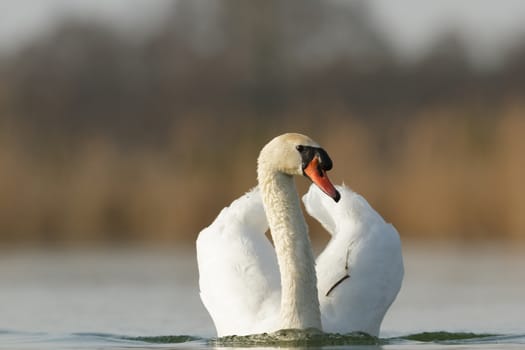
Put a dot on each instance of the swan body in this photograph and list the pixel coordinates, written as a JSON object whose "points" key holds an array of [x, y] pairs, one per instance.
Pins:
{"points": [[250, 286]]}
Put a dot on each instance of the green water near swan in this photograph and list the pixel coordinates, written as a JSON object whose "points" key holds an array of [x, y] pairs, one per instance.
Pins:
{"points": [[280, 339]]}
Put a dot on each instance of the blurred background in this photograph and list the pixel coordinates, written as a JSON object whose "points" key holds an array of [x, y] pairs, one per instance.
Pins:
{"points": [[134, 122]]}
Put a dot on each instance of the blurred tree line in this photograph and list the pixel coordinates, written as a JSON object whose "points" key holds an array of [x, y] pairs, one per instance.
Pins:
{"points": [[112, 137]]}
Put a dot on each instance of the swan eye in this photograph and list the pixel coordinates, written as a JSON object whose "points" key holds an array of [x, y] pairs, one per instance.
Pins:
{"points": [[300, 148]]}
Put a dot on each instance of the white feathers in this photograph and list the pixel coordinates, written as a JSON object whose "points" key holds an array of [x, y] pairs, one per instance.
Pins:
{"points": [[370, 248], [239, 276]]}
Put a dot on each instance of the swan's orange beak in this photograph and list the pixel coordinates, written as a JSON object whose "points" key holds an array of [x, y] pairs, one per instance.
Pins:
{"points": [[319, 177]]}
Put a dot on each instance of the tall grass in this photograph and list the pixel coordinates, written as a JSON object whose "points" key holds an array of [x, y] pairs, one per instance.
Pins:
{"points": [[447, 174]]}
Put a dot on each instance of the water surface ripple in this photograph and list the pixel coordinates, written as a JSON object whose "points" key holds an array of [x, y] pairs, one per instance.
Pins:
{"points": [[287, 338]]}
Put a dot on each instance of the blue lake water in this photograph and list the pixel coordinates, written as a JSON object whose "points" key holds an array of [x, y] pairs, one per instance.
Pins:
{"points": [[452, 297]]}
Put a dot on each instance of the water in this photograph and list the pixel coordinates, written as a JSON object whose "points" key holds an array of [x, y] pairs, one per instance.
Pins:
{"points": [[453, 298]]}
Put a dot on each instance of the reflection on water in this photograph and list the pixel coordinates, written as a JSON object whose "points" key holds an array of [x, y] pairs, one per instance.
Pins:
{"points": [[114, 296]]}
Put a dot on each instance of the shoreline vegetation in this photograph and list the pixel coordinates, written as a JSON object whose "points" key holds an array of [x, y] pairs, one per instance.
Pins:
{"points": [[435, 182], [106, 138]]}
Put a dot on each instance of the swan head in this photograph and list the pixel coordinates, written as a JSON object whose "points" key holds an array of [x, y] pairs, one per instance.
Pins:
{"points": [[296, 154]]}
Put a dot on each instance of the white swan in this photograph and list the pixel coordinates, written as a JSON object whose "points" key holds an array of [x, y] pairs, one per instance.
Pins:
{"points": [[249, 286]]}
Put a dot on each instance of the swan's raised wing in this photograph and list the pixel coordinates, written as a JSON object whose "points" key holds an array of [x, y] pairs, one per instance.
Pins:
{"points": [[360, 271], [238, 271]]}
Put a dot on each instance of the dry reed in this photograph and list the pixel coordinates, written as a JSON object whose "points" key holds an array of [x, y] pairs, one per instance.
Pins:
{"points": [[444, 175]]}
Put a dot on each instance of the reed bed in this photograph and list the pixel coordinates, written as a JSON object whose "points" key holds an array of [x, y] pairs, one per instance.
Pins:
{"points": [[447, 174]]}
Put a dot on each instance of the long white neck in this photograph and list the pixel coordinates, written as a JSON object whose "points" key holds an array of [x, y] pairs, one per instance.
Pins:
{"points": [[299, 300]]}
